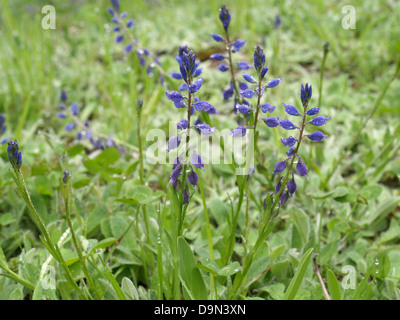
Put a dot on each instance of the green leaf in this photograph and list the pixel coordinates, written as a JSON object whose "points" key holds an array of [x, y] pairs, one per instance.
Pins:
{"points": [[129, 289], [371, 192], [230, 269], [333, 285], [194, 280], [104, 244], [295, 283], [103, 160], [209, 265], [3, 260]]}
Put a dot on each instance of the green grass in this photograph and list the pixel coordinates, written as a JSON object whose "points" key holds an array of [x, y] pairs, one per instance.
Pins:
{"points": [[347, 211]]}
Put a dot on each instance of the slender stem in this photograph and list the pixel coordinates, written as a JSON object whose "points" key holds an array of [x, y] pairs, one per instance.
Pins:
{"points": [[233, 78], [13, 276], [67, 200], [321, 76], [321, 281]]}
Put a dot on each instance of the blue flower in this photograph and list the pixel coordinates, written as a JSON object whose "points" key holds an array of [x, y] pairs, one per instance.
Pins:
{"points": [[174, 96], [263, 72], [319, 120], [271, 121], [290, 152], [301, 168], [266, 107], [217, 37], [292, 187], [63, 96], [240, 131], [173, 143], [228, 93], [224, 16], [183, 124], [305, 93], [283, 198], [119, 38], [259, 58], [175, 174], [115, 4], [317, 136], [312, 111], [74, 108], [287, 125], [130, 23], [273, 83], [244, 108], [279, 166], [204, 106], [70, 126], [239, 43], [243, 86], [217, 56], [278, 186], [196, 85], [14, 155], [128, 48], [249, 78], [277, 21], [223, 67], [61, 115], [247, 93], [197, 161], [289, 141], [205, 129], [193, 178], [244, 65], [291, 110]]}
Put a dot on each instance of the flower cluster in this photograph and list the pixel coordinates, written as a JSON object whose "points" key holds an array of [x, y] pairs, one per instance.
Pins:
{"points": [[83, 129], [285, 187], [3, 128], [189, 158], [230, 48], [258, 92], [14, 155], [121, 30]]}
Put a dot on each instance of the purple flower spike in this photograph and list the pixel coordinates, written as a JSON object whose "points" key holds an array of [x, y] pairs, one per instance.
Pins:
{"points": [[74, 108], [273, 83], [290, 152], [317, 136], [259, 58], [61, 115], [224, 16], [292, 110], [287, 125], [173, 143], [289, 141], [301, 168], [280, 166], [271, 122], [305, 93], [319, 120], [196, 85], [243, 86], [239, 132], [193, 178], [14, 155], [266, 107], [204, 106]]}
